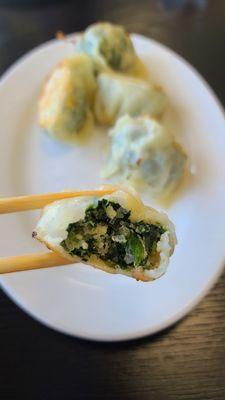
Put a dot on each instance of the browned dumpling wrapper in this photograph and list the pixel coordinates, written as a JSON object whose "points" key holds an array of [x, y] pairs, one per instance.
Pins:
{"points": [[66, 99]]}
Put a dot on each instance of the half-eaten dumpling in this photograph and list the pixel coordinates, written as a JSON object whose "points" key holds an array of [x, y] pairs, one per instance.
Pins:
{"points": [[116, 233], [109, 46], [64, 106], [145, 153], [117, 95]]}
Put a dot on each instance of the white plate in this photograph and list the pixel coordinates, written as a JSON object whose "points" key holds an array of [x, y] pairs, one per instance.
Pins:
{"points": [[80, 300]]}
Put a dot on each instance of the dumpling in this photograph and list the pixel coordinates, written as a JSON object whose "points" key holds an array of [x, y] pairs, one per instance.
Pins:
{"points": [[116, 233], [64, 106], [117, 95], [144, 153], [110, 47]]}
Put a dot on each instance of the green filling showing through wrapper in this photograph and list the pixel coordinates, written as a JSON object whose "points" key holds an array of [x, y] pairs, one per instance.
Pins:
{"points": [[107, 232]]}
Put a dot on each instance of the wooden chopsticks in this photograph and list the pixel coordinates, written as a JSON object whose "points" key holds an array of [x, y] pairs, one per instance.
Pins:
{"points": [[35, 201], [31, 261], [24, 203]]}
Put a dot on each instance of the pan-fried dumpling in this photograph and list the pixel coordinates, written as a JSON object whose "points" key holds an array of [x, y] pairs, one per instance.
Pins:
{"points": [[116, 233], [117, 95], [144, 153], [64, 106], [110, 47]]}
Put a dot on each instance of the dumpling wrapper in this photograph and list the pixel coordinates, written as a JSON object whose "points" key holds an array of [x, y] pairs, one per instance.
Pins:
{"points": [[110, 48], [66, 98], [144, 153], [55, 218], [117, 95]]}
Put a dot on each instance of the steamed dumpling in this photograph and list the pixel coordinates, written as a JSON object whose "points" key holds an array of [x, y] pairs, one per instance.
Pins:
{"points": [[117, 95], [116, 233], [66, 98], [110, 47], [144, 153]]}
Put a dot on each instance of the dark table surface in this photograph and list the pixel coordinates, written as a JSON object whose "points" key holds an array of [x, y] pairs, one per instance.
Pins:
{"points": [[186, 361]]}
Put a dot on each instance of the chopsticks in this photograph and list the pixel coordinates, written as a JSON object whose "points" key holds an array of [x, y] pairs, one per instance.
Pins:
{"points": [[31, 261], [35, 201], [23, 203]]}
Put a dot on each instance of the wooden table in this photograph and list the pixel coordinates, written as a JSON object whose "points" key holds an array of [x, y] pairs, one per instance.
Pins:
{"points": [[185, 361]]}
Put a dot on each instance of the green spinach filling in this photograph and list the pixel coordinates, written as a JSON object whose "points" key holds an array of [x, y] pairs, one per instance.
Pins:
{"points": [[108, 232], [119, 54], [75, 116]]}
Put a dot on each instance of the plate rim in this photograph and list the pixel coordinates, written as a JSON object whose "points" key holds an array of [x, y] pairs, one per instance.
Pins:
{"points": [[178, 315], [160, 327]]}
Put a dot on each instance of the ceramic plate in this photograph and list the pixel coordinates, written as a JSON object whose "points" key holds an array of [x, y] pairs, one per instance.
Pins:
{"points": [[79, 300]]}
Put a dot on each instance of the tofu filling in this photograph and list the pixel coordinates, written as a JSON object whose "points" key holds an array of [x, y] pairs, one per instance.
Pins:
{"points": [[108, 232]]}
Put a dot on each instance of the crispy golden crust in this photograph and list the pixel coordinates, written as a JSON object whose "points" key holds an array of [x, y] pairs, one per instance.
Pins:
{"points": [[66, 97]]}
